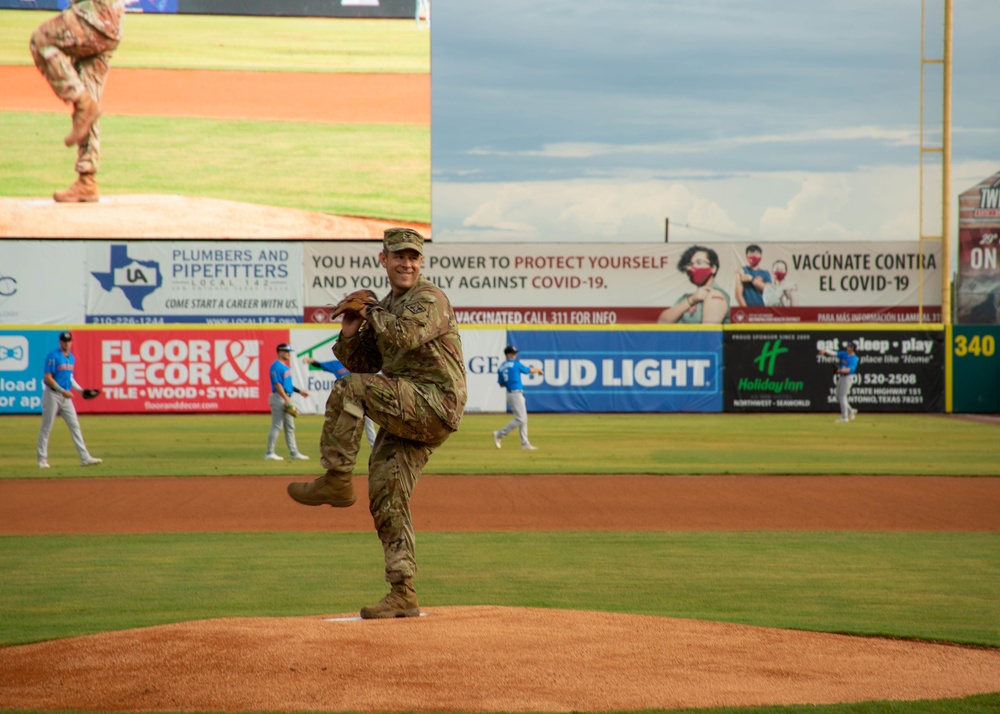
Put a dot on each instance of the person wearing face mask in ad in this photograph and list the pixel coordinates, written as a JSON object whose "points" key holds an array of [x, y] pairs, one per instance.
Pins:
{"points": [[707, 304], [779, 293], [751, 280]]}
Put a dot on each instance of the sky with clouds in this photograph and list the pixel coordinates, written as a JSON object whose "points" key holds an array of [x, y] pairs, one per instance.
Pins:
{"points": [[772, 120]]}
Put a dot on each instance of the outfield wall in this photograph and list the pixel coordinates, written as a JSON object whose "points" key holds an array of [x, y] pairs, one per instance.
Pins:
{"points": [[224, 368], [973, 369], [211, 313]]}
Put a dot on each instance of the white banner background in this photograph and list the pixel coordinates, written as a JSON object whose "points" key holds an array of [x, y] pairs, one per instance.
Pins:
{"points": [[41, 282], [481, 347]]}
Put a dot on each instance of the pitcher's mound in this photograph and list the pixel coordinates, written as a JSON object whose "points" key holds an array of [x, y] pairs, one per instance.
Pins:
{"points": [[179, 217], [478, 659]]}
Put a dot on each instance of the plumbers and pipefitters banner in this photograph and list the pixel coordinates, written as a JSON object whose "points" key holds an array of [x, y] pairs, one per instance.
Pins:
{"points": [[977, 293], [782, 371], [683, 283], [193, 282]]}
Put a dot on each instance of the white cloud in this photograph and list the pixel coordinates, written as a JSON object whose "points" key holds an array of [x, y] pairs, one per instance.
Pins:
{"points": [[589, 150], [873, 203]]}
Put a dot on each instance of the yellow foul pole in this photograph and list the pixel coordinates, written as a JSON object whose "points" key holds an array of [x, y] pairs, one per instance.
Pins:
{"points": [[946, 170]]}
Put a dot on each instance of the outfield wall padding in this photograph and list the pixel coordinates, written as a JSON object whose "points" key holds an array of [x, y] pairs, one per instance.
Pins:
{"points": [[975, 369]]}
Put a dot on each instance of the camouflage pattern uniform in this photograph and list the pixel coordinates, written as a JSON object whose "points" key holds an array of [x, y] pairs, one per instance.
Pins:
{"points": [[418, 400], [73, 51]]}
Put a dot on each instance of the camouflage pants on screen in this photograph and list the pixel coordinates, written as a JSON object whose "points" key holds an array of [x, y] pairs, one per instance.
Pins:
{"points": [[410, 432], [74, 57]]}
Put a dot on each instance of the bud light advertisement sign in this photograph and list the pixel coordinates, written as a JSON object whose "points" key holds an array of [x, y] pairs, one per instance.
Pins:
{"points": [[622, 371]]}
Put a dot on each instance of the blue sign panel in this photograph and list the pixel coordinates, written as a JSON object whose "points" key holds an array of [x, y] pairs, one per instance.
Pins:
{"points": [[22, 361], [622, 371]]}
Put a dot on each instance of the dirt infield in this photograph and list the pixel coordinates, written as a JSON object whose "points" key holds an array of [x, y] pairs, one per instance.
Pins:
{"points": [[278, 96], [466, 503], [180, 218], [479, 659], [490, 658]]}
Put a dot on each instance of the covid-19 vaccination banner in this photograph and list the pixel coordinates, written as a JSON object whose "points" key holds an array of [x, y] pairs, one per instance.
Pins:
{"points": [[193, 282], [602, 284], [783, 371]]}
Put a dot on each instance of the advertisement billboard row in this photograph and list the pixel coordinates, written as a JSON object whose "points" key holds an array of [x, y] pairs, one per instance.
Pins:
{"points": [[225, 368], [512, 285]]}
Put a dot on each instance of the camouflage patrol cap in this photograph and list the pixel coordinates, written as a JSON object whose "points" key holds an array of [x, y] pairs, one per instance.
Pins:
{"points": [[396, 239]]}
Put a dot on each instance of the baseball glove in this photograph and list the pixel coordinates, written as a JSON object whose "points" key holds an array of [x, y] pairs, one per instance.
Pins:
{"points": [[91, 393], [291, 410], [355, 302]]}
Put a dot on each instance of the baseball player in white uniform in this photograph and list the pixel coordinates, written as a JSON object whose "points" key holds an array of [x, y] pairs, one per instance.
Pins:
{"points": [[57, 400], [509, 377]]}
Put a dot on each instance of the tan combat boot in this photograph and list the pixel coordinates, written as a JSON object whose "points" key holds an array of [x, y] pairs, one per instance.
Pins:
{"points": [[85, 113], [335, 489], [400, 602], [83, 190]]}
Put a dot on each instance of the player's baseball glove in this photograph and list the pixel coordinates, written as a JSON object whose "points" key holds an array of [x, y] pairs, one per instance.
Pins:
{"points": [[355, 302], [290, 409], [91, 393]]}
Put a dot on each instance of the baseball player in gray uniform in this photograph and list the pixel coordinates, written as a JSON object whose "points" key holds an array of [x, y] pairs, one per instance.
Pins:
{"points": [[509, 377], [57, 400]]}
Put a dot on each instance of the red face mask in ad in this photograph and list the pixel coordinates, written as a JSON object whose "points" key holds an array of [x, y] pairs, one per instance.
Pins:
{"points": [[779, 276], [753, 260], [699, 276]]}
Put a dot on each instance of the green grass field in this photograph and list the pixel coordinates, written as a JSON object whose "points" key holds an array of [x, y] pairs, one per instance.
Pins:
{"points": [[377, 171], [343, 169], [286, 44], [224, 444], [926, 586]]}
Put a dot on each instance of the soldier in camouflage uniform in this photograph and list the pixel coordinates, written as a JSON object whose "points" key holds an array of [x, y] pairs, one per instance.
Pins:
{"points": [[73, 50], [418, 400]]}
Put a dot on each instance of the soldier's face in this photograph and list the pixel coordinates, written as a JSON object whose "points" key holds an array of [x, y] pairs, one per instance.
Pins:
{"points": [[403, 269]]}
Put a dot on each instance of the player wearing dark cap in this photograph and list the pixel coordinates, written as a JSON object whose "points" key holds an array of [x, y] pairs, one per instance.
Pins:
{"points": [[57, 400], [847, 365], [283, 411], [509, 377], [407, 374]]}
